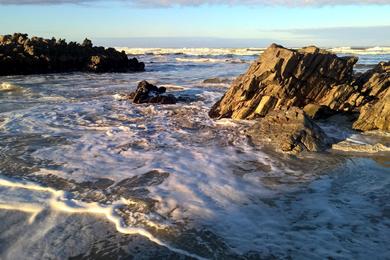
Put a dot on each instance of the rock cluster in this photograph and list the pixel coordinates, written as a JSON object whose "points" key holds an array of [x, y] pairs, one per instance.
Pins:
{"points": [[309, 78], [289, 131], [148, 93], [20, 54]]}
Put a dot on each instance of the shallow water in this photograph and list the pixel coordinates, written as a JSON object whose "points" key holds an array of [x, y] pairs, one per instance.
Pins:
{"points": [[85, 174]]}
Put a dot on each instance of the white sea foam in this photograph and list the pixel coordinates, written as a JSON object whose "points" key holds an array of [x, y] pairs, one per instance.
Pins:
{"points": [[60, 202], [249, 198], [209, 60], [192, 51], [361, 51], [243, 51]]}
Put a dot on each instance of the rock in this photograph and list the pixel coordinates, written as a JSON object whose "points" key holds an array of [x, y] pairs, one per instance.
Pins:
{"points": [[216, 81], [289, 131], [282, 78], [375, 114], [22, 55], [348, 146], [310, 78], [315, 111], [164, 99], [149, 93]]}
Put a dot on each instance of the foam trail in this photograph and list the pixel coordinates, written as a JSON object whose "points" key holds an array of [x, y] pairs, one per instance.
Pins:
{"points": [[24, 207], [60, 202]]}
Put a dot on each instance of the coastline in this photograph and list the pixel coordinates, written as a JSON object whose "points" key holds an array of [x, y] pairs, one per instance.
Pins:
{"points": [[199, 179]]}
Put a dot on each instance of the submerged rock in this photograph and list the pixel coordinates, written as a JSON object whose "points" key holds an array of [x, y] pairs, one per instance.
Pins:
{"points": [[289, 131], [20, 54], [216, 81], [149, 93]]}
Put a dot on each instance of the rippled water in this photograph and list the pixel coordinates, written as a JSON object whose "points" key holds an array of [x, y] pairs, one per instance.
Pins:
{"points": [[86, 175]]}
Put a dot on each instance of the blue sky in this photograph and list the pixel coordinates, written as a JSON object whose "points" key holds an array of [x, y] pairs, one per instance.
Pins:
{"points": [[198, 23]]}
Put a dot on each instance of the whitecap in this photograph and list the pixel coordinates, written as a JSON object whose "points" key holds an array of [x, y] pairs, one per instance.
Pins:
{"points": [[192, 51]]}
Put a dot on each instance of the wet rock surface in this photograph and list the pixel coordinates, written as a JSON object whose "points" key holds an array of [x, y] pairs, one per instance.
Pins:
{"points": [[149, 93], [310, 77], [216, 81], [289, 131], [20, 54]]}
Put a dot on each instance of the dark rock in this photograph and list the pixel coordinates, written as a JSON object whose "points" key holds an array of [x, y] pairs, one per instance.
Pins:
{"points": [[149, 93], [144, 91], [166, 99], [22, 55], [289, 131]]}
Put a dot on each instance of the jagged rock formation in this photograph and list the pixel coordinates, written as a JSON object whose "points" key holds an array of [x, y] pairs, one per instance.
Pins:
{"points": [[282, 78], [20, 54], [148, 93], [376, 114], [289, 131]]}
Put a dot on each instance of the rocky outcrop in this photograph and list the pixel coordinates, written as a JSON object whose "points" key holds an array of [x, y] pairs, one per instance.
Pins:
{"points": [[376, 114], [148, 93], [282, 78], [20, 54], [309, 78], [289, 131]]}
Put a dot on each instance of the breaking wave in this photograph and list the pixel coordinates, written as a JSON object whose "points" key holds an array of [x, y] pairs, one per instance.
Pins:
{"points": [[378, 50], [192, 51], [361, 51], [209, 60]]}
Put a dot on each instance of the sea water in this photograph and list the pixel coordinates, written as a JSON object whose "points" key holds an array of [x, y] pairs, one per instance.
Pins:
{"points": [[85, 174]]}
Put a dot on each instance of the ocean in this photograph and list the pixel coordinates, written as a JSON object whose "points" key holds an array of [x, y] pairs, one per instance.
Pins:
{"points": [[85, 174]]}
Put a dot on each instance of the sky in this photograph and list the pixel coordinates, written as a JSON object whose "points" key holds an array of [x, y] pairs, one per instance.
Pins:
{"points": [[203, 23]]}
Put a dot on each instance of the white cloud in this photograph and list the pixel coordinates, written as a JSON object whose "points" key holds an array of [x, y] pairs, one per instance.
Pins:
{"points": [[167, 3]]}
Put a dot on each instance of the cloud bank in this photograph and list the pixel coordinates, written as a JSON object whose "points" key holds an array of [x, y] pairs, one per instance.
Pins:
{"points": [[168, 3]]}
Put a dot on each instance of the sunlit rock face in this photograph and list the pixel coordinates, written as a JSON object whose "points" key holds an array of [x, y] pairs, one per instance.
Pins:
{"points": [[376, 114], [282, 78]]}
